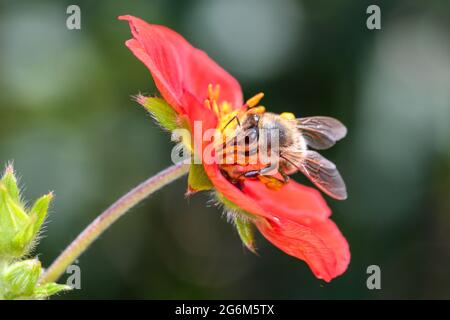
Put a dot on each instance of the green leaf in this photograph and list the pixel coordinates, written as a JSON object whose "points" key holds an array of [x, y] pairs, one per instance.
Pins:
{"points": [[161, 111], [245, 230], [198, 180]]}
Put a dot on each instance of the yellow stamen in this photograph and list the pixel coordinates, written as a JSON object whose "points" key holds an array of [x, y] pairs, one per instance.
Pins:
{"points": [[217, 92], [288, 116], [215, 107], [210, 91], [213, 92], [257, 110], [253, 101]]}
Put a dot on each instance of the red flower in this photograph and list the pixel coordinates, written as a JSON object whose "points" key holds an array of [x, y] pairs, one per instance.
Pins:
{"points": [[295, 218]]}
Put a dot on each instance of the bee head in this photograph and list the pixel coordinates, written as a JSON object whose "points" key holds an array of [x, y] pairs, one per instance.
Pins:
{"points": [[251, 121]]}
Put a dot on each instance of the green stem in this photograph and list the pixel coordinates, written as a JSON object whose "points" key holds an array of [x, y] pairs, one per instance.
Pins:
{"points": [[108, 217]]}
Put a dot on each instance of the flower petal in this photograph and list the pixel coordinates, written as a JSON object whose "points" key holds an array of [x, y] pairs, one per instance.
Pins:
{"points": [[164, 67], [292, 200], [317, 242], [295, 219], [232, 193], [177, 66]]}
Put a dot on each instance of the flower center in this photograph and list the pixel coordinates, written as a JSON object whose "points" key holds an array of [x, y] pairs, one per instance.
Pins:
{"points": [[224, 110], [238, 146]]}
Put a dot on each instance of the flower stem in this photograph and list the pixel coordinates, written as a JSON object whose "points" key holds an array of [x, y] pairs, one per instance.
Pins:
{"points": [[109, 216]]}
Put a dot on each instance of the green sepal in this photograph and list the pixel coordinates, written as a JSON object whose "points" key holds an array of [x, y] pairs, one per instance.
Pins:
{"points": [[39, 211], [243, 220], [229, 205], [198, 180], [246, 232], [49, 289], [161, 111], [10, 182]]}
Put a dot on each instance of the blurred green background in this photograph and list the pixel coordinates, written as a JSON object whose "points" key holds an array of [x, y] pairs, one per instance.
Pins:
{"points": [[68, 121]]}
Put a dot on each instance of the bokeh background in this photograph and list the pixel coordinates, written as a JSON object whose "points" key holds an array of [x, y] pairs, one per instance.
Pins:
{"points": [[68, 121]]}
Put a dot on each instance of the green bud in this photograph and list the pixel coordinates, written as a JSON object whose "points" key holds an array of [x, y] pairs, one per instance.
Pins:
{"points": [[18, 225], [20, 279]]}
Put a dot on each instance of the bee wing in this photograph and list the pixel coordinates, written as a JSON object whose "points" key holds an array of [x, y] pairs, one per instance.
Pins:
{"points": [[321, 132], [320, 171]]}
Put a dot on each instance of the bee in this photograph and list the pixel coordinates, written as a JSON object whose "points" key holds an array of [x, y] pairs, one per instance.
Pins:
{"points": [[295, 137]]}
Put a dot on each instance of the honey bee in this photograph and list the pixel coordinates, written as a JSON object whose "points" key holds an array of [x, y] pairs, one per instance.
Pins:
{"points": [[295, 137]]}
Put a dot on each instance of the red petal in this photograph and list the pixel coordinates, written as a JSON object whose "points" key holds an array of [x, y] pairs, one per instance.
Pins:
{"points": [[232, 193], [291, 201], [165, 73], [317, 242], [295, 220], [197, 111], [177, 67]]}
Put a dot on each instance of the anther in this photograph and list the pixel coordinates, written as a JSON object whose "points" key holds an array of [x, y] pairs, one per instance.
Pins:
{"points": [[210, 91], [213, 92], [215, 108], [253, 101], [217, 92]]}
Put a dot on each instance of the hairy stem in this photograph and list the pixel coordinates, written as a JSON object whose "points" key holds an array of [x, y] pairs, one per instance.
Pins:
{"points": [[108, 217]]}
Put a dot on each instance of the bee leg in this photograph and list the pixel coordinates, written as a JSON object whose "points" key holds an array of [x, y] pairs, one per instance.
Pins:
{"points": [[255, 173], [251, 174], [271, 182], [284, 175], [231, 120]]}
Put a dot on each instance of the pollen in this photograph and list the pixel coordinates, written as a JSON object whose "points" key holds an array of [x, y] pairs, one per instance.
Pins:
{"points": [[288, 116], [222, 109], [212, 102], [253, 101], [227, 114]]}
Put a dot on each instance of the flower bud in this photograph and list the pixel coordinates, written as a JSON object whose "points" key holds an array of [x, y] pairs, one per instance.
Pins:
{"points": [[20, 279], [19, 226]]}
